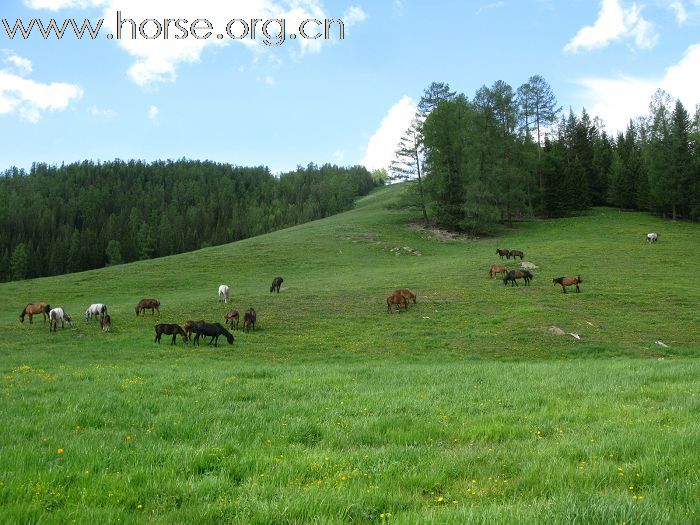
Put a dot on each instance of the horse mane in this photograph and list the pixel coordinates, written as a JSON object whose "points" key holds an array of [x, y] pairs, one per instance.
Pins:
{"points": [[24, 311]]}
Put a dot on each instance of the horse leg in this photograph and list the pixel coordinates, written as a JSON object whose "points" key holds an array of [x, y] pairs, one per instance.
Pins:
{"points": [[174, 336], [578, 290], [30, 318]]}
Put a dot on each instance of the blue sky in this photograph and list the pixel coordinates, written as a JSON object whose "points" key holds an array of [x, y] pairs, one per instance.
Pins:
{"points": [[344, 102]]}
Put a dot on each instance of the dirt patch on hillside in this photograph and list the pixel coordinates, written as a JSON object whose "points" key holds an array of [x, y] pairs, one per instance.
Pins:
{"points": [[440, 235]]}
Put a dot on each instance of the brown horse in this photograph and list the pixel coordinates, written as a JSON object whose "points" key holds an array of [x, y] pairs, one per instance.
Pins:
{"points": [[34, 309], [568, 281], [106, 323], [398, 299], [516, 253], [232, 317], [170, 329], [249, 318], [496, 269], [189, 326], [503, 253], [145, 304], [513, 275], [408, 295]]}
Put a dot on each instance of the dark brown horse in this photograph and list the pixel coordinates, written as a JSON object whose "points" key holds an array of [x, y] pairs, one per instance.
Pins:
{"points": [[513, 275], [568, 281], [106, 323], [249, 318], [397, 299], [34, 309], [170, 329], [503, 253], [232, 317], [276, 283], [189, 326], [211, 330], [145, 304], [516, 253]]}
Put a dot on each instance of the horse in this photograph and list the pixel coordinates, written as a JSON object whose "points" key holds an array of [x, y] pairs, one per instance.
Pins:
{"points": [[170, 329], [652, 237], [408, 295], [276, 283], [568, 281], [398, 299], [106, 323], [516, 253], [145, 304], [249, 318], [517, 274], [189, 326], [211, 330], [224, 292], [58, 314], [503, 253], [94, 310], [232, 317], [496, 269], [34, 309]]}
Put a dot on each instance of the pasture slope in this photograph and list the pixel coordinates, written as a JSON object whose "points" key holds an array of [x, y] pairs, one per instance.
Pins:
{"points": [[461, 410]]}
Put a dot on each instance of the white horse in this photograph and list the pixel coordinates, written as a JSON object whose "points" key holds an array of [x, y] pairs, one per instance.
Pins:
{"points": [[57, 314], [652, 237], [224, 292], [94, 310]]}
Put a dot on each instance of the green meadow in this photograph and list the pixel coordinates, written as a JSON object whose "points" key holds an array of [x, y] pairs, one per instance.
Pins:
{"points": [[463, 409]]}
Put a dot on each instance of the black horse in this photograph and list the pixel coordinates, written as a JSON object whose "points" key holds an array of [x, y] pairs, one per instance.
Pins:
{"points": [[211, 330], [517, 274], [276, 283]]}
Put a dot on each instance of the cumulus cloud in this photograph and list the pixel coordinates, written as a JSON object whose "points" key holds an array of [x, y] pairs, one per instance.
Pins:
{"points": [[382, 145], [354, 15], [28, 98], [617, 100], [614, 23], [157, 60]]}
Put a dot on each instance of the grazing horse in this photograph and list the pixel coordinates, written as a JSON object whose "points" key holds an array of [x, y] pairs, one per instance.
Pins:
{"points": [[224, 292], [568, 281], [189, 326], [145, 304], [212, 330], [170, 329], [398, 299], [58, 314], [94, 310], [516, 253], [503, 253], [106, 323], [249, 318], [652, 237], [496, 269], [517, 274], [276, 283], [232, 317], [34, 309], [408, 295]]}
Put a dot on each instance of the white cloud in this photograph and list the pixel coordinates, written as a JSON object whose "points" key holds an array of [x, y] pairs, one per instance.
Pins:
{"points": [[158, 60], [614, 22], [354, 15], [270, 80], [382, 145], [153, 112], [28, 98], [618, 100], [19, 65], [488, 7], [679, 10], [100, 112]]}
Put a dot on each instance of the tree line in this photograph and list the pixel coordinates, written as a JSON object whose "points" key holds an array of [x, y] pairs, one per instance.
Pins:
{"points": [[511, 153], [69, 218]]}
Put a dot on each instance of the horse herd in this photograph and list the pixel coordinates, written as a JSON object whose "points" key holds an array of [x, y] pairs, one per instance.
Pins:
{"points": [[200, 329], [512, 276]]}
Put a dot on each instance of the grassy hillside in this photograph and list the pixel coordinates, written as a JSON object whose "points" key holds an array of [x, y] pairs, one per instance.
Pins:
{"points": [[464, 409]]}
